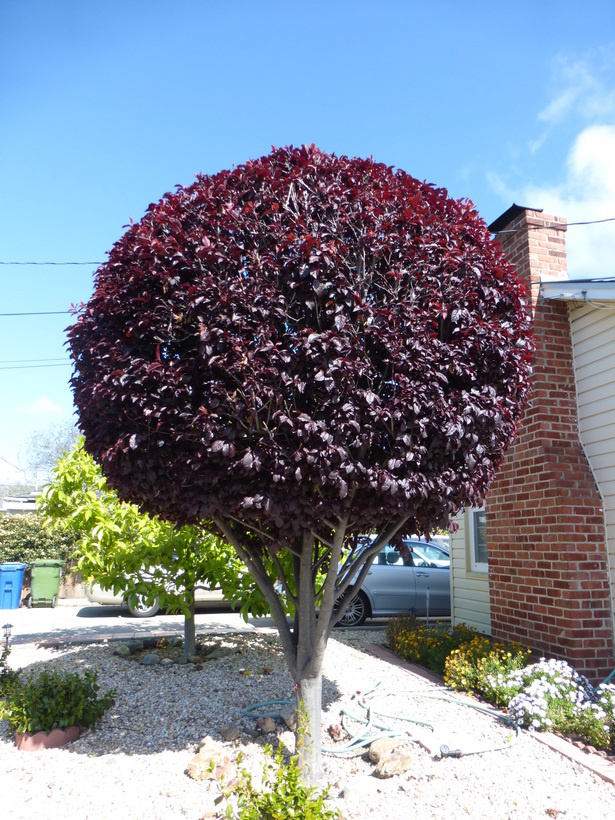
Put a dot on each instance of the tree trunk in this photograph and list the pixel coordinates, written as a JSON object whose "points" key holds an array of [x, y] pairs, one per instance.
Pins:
{"points": [[307, 735], [189, 632]]}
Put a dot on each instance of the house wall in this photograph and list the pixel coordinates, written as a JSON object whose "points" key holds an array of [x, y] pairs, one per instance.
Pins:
{"points": [[548, 566], [469, 590], [593, 333]]}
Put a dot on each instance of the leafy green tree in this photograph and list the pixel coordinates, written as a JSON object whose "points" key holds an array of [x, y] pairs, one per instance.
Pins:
{"points": [[125, 550]]}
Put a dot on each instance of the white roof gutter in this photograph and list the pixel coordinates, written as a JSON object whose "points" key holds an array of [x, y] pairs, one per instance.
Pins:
{"points": [[578, 291]]}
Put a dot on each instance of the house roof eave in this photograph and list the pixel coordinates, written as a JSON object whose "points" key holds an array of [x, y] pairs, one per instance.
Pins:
{"points": [[578, 290]]}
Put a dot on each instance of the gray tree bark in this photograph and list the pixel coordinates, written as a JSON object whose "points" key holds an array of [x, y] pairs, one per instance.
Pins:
{"points": [[190, 632]]}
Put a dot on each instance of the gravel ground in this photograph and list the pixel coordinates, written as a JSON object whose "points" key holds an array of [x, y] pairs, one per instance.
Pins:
{"points": [[132, 763]]}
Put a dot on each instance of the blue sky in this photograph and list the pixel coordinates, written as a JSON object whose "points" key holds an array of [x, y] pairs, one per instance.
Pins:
{"points": [[105, 106]]}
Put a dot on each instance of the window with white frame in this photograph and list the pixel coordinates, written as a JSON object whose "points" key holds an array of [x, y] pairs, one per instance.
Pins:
{"points": [[477, 532]]}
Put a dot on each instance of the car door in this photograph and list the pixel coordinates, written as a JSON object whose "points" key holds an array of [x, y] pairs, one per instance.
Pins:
{"points": [[390, 584], [433, 590]]}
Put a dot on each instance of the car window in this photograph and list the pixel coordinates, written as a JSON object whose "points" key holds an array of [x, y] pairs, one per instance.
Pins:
{"points": [[426, 555]]}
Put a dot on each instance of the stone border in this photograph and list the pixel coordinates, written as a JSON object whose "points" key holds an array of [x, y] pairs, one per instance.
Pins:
{"points": [[599, 766]]}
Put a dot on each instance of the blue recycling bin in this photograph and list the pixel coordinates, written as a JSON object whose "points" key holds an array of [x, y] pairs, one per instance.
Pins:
{"points": [[11, 582]]}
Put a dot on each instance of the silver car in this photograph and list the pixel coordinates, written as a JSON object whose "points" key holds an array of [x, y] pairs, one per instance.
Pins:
{"points": [[137, 605], [418, 584]]}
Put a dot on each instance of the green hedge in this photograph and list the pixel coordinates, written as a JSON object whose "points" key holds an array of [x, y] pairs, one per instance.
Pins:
{"points": [[24, 538]]}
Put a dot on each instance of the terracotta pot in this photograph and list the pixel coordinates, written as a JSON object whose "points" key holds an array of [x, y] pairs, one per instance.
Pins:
{"points": [[38, 741]]}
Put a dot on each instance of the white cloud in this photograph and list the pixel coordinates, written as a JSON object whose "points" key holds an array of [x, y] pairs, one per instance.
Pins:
{"points": [[584, 88], [586, 193], [44, 406]]}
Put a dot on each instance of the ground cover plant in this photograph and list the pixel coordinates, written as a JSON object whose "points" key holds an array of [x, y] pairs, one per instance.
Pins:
{"points": [[426, 645], [294, 353], [545, 696], [472, 666]]}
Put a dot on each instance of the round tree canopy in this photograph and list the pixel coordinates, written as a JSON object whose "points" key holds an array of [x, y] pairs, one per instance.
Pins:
{"points": [[303, 339]]}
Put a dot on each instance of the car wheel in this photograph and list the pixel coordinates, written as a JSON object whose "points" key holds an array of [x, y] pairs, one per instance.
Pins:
{"points": [[356, 612], [138, 608]]}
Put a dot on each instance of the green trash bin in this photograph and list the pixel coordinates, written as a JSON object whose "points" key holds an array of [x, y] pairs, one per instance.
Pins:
{"points": [[45, 582]]}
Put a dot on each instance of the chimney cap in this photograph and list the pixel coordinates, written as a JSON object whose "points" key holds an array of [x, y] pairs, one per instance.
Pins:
{"points": [[508, 216]]}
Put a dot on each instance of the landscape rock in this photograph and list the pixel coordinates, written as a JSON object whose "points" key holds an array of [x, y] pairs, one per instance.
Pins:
{"points": [[122, 650], [230, 732], [383, 747], [150, 642], [211, 762], [396, 763], [135, 645], [267, 725], [391, 756], [151, 659]]}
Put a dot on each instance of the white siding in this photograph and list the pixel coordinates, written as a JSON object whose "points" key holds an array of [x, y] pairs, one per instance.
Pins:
{"points": [[469, 590], [593, 337]]}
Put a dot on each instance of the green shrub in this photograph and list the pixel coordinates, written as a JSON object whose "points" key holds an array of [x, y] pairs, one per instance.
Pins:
{"points": [[473, 666], [429, 646], [25, 538], [54, 700], [283, 796], [398, 626], [8, 677]]}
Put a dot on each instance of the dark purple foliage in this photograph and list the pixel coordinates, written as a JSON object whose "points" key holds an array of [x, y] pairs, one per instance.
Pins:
{"points": [[300, 339]]}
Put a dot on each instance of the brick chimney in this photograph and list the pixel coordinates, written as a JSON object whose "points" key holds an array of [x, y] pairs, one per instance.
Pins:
{"points": [[548, 571]]}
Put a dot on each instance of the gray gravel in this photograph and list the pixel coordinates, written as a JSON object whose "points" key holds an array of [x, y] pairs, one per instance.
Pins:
{"points": [[132, 764]]}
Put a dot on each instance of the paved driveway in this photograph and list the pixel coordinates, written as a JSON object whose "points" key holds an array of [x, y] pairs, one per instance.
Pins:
{"points": [[79, 621]]}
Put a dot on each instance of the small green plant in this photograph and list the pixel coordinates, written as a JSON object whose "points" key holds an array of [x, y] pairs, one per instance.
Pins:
{"points": [[283, 795], [473, 666], [54, 700]]}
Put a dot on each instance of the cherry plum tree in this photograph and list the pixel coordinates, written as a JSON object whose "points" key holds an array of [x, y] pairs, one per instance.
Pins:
{"points": [[298, 351]]}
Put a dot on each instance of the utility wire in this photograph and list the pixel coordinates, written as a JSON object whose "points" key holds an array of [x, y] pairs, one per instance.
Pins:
{"points": [[28, 361], [554, 226], [39, 313], [32, 366]]}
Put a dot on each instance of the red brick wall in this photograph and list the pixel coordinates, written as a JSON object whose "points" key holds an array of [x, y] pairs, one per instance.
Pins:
{"points": [[548, 570]]}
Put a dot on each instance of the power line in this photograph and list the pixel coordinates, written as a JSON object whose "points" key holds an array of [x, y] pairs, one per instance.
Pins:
{"points": [[39, 313], [26, 361], [555, 226], [32, 366], [51, 263]]}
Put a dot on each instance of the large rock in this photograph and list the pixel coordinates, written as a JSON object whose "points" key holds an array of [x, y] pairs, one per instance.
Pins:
{"points": [[151, 659], [391, 756], [211, 762], [383, 747]]}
